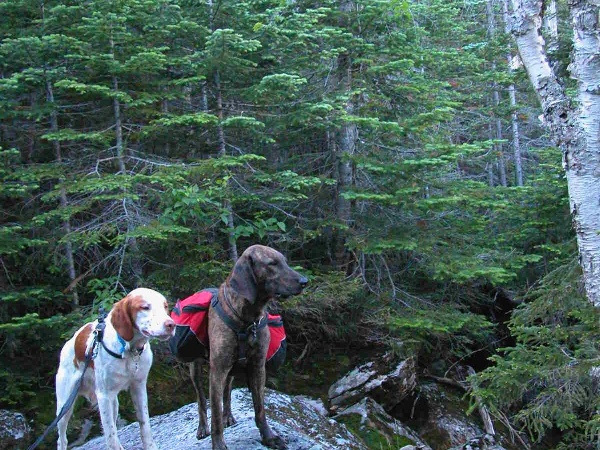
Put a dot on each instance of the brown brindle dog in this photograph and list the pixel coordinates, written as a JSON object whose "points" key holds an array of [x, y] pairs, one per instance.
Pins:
{"points": [[259, 275]]}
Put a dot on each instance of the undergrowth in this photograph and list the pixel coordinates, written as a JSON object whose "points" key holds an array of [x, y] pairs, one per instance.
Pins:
{"points": [[547, 384]]}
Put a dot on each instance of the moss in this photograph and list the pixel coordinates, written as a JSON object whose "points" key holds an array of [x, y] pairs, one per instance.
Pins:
{"points": [[317, 373], [373, 438], [437, 438]]}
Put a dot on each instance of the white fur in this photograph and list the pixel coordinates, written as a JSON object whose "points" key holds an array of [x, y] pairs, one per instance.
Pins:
{"points": [[111, 375]]}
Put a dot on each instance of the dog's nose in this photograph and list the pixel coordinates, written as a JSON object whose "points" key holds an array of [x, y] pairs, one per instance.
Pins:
{"points": [[169, 325], [303, 281]]}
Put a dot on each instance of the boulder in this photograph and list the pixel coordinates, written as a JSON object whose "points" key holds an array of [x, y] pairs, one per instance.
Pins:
{"points": [[442, 420], [300, 421], [387, 381], [14, 430], [369, 421], [483, 442]]}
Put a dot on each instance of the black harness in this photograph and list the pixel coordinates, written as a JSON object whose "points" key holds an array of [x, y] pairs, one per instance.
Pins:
{"points": [[246, 334]]}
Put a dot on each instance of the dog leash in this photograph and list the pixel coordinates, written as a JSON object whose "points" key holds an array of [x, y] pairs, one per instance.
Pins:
{"points": [[89, 357]]}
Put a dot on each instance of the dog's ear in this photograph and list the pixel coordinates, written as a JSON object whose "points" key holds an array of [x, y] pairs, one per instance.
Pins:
{"points": [[242, 279], [121, 318]]}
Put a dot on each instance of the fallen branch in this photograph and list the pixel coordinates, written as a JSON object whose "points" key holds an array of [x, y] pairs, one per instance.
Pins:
{"points": [[302, 355]]}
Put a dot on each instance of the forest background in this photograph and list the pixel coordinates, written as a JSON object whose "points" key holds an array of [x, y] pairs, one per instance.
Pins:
{"points": [[391, 149]]}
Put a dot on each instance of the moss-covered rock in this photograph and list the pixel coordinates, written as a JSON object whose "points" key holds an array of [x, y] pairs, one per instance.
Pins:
{"points": [[377, 429]]}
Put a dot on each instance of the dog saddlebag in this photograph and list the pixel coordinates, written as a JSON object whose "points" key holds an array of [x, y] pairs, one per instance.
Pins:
{"points": [[278, 345], [191, 326], [190, 341]]}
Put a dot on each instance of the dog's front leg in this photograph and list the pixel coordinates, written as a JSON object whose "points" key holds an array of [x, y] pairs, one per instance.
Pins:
{"points": [[196, 376], [256, 384], [139, 395], [65, 384], [107, 404], [217, 381]]}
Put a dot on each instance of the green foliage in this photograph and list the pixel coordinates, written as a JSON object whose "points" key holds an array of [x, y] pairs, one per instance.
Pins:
{"points": [[24, 369], [105, 292], [546, 381], [146, 137], [464, 231], [330, 310], [442, 330], [373, 438]]}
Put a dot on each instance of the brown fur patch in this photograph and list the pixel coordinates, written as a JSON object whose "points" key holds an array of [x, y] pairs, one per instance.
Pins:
{"points": [[135, 305], [80, 345], [124, 314]]}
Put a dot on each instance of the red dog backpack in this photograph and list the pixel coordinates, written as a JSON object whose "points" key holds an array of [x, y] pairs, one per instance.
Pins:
{"points": [[190, 315], [191, 338]]}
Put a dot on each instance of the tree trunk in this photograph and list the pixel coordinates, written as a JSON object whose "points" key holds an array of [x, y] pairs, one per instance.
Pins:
{"points": [[233, 251], [550, 25], [136, 263], [516, 141], [66, 225], [496, 95], [165, 111], [344, 149], [499, 148], [513, 107], [574, 130]]}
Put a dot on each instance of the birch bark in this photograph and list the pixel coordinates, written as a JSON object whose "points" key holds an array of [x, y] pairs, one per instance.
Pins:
{"points": [[574, 129]]}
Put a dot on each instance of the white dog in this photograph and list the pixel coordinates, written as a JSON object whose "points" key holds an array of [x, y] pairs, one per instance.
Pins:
{"points": [[123, 361]]}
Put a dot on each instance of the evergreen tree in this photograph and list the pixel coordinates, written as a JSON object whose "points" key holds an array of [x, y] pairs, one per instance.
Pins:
{"points": [[144, 142]]}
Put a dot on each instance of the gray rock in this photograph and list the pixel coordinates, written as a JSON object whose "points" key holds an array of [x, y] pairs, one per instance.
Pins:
{"points": [[300, 421], [387, 381], [14, 430], [368, 419], [447, 423], [483, 442]]}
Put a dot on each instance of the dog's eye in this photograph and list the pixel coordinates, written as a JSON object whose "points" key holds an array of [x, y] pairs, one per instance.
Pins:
{"points": [[273, 262], [146, 307]]}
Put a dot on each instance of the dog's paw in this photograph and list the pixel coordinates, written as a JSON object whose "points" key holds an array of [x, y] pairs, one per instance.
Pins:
{"points": [[218, 444], [228, 420], [275, 442], [202, 432]]}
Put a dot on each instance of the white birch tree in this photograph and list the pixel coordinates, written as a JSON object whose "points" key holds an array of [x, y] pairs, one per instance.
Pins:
{"points": [[575, 126]]}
